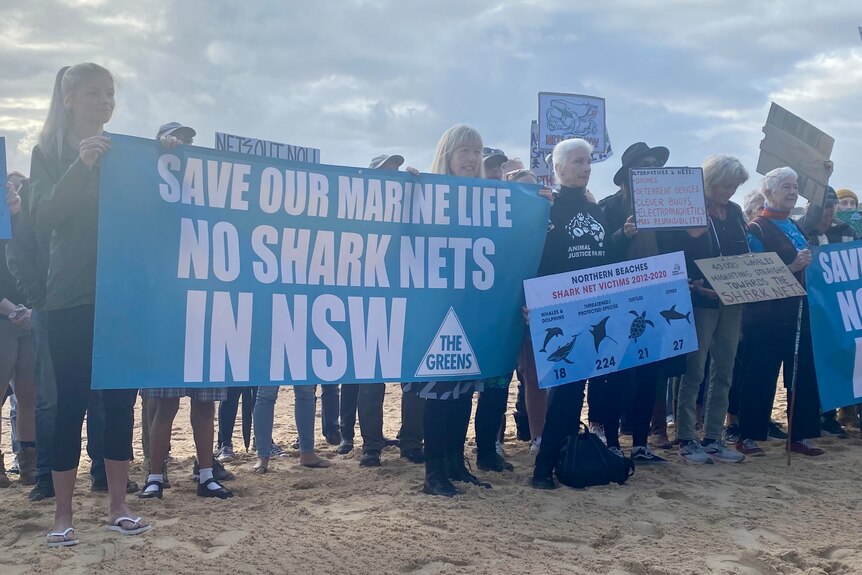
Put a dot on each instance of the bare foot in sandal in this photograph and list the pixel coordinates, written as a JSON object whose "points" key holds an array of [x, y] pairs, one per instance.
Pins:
{"points": [[313, 461]]}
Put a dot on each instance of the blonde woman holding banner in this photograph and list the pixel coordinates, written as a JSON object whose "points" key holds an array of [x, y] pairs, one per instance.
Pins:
{"points": [[65, 187]]}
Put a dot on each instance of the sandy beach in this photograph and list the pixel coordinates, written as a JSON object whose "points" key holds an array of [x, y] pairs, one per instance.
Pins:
{"points": [[758, 517]]}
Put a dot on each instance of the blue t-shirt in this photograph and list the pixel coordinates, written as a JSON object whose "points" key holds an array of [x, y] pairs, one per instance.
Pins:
{"points": [[790, 230]]}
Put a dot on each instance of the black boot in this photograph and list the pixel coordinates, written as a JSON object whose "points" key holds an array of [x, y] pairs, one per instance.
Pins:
{"points": [[543, 478], [436, 482], [456, 469]]}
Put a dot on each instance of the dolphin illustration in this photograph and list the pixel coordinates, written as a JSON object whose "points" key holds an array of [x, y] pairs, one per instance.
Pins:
{"points": [[671, 313], [562, 353], [550, 333], [599, 332]]}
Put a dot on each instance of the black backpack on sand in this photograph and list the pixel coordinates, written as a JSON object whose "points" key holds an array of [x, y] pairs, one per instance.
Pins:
{"points": [[585, 461]]}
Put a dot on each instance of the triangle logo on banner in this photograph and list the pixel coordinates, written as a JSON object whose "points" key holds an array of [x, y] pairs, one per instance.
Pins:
{"points": [[450, 353]]}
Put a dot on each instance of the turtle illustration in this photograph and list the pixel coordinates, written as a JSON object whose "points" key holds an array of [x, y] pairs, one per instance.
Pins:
{"points": [[638, 325]]}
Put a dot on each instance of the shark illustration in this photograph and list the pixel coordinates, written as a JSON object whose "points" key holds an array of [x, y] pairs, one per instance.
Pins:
{"points": [[562, 353], [599, 332], [671, 313], [550, 333]]}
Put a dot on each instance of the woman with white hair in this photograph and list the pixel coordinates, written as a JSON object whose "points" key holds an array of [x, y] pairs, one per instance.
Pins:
{"points": [[717, 324], [576, 240], [770, 328]]}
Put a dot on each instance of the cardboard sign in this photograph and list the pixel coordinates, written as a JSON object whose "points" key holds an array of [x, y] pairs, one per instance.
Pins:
{"points": [[604, 319], [750, 278], [793, 142], [567, 116], [266, 148], [834, 281], [668, 198]]}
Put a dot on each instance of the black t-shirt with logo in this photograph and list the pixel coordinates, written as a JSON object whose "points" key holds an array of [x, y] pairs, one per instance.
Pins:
{"points": [[577, 237]]}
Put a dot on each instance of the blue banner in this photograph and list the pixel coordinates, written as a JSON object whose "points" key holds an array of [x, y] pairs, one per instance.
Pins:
{"points": [[218, 268], [835, 302], [604, 319]]}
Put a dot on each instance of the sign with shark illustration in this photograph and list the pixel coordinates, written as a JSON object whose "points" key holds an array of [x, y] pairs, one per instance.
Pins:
{"points": [[750, 278], [567, 116], [604, 319]]}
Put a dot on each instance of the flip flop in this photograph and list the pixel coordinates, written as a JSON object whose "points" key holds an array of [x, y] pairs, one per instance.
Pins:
{"points": [[259, 469], [66, 542], [322, 464], [136, 530]]}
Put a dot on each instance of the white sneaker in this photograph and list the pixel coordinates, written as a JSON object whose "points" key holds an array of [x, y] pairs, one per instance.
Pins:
{"points": [[535, 445], [692, 452], [718, 451], [599, 430]]}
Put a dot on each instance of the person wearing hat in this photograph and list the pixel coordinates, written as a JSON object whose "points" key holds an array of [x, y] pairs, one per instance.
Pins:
{"points": [[493, 159], [847, 200], [162, 404], [639, 387]]}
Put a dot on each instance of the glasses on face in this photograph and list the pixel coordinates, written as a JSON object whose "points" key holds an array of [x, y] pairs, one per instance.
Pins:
{"points": [[486, 151], [515, 174]]}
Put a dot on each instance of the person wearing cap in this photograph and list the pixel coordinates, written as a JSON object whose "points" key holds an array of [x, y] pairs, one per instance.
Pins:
{"points": [[829, 230], [637, 392], [367, 398], [493, 159], [162, 404], [847, 200]]}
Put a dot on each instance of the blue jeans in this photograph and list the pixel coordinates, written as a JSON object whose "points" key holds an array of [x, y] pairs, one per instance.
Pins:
{"points": [[305, 406], [46, 408]]}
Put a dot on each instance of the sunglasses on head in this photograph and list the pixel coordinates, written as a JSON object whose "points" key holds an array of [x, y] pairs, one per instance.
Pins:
{"points": [[515, 174], [486, 151]]}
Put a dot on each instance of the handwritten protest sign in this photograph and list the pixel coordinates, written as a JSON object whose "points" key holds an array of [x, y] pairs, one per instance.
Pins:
{"points": [[834, 282], [668, 198], [791, 141], [266, 148], [539, 163], [218, 268], [750, 278], [5, 215], [603, 319], [567, 116]]}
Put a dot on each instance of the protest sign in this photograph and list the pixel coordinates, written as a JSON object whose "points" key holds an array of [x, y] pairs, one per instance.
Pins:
{"points": [[851, 218], [834, 282], [668, 198], [567, 116], [218, 268], [791, 141], [637, 312], [266, 148], [541, 163], [5, 215], [750, 278]]}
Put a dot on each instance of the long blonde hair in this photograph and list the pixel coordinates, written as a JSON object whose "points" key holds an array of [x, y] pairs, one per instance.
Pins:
{"points": [[58, 124], [452, 139]]}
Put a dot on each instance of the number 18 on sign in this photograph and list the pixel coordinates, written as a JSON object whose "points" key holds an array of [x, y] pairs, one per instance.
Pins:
{"points": [[600, 320]]}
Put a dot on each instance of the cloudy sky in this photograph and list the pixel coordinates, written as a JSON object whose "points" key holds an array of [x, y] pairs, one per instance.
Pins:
{"points": [[357, 78]]}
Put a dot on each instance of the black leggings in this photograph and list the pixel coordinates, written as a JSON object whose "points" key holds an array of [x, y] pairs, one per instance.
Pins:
{"points": [[490, 410], [70, 337], [446, 423], [565, 403]]}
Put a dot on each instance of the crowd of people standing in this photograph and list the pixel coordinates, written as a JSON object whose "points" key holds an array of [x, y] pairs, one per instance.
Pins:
{"points": [[721, 396]]}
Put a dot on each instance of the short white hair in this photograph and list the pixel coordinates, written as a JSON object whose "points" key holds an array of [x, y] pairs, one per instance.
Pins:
{"points": [[772, 180], [565, 149]]}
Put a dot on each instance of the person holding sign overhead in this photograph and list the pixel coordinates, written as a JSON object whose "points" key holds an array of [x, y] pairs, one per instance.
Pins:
{"points": [[65, 184], [717, 324], [770, 329]]}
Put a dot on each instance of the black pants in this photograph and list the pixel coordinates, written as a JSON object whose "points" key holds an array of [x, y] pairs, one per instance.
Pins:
{"points": [[227, 409], [329, 408], [70, 336], [490, 410], [630, 392], [736, 383], [446, 423], [411, 433], [565, 403], [767, 346], [367, 399]]}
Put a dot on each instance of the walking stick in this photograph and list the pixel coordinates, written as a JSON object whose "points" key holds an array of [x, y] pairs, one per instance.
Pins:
{"points": [[793, 380]]}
